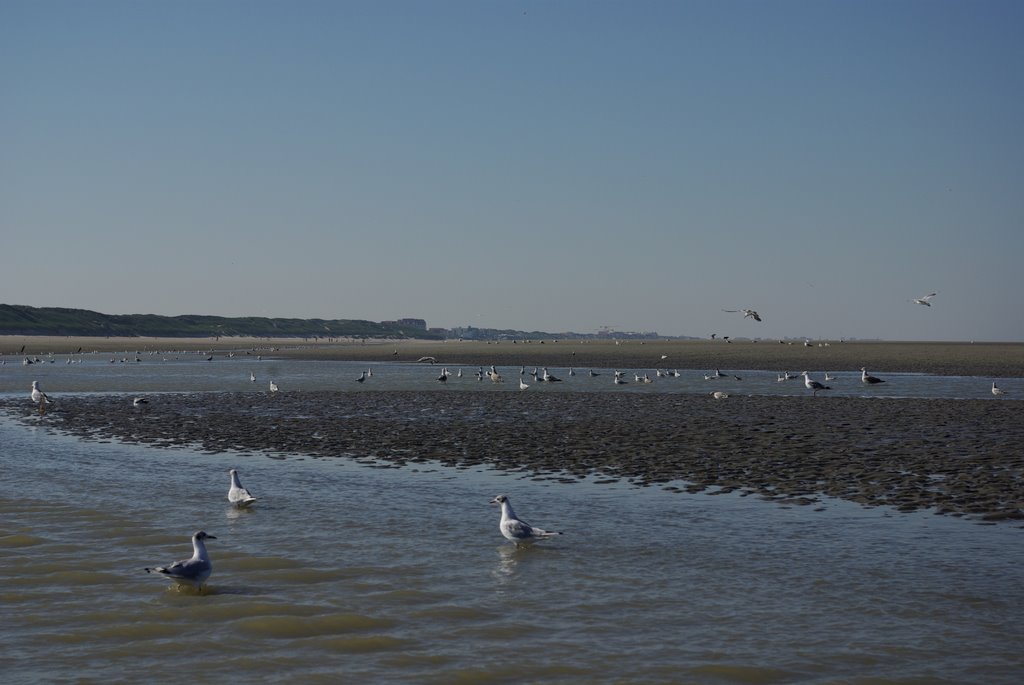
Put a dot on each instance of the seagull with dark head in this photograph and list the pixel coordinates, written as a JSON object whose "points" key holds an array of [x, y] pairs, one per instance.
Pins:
{"points": [[193, 571], [515, 529]]}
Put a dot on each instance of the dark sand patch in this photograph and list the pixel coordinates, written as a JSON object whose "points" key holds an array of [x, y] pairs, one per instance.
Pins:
{"points": [[994, 360], [958, 457]]}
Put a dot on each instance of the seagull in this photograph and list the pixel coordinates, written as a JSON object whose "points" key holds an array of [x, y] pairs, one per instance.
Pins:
{"points": [[519, 532], [39, 397], [238, 495], [996, 390], [814, 385], [273, 386], [828, 377], [870, 380], [362, 378], [522, 384], [924, 300], [720, 395], [252, 377], [192, 571], [747, 313], [139, 401]]}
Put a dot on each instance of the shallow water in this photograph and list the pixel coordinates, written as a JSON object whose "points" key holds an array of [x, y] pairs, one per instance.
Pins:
{"points": [[347, 571], [191, 372]]}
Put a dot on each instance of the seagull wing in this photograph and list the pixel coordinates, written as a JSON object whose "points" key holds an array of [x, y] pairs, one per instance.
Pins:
{"points": [[519, 530]]}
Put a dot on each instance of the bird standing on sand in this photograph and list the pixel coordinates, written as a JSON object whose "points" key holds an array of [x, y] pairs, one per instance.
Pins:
{"points": [[924, 300], [516, 530], [747, 313], [39, 397], [814, 385], [192, 571], [238, 495], [865, 378]]}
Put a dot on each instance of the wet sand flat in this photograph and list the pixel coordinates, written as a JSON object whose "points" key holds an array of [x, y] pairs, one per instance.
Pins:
{"points": [[957, 457], [995, 360]]}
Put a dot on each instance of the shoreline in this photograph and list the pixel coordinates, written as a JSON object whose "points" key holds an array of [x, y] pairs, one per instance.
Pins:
{"points": [[954, 457], [987, 359]]}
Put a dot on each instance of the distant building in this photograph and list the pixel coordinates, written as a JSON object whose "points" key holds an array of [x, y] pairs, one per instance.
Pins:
{"points": [[418, 324]]}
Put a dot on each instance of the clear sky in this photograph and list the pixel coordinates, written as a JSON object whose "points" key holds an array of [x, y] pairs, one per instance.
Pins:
{"points": [[533, 164]]}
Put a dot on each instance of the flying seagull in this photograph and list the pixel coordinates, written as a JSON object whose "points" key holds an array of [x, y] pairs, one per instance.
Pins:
{"points": [[924, 300], [747, 313]]}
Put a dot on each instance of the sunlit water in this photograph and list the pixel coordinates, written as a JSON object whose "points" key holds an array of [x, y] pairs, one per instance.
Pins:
{"points": [[345, 572]]}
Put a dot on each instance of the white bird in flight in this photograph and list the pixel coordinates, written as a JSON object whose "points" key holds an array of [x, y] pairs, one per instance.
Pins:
{"points": [[238, 495], [192, 571], [924, 300], [747, 313], [516, 530]]}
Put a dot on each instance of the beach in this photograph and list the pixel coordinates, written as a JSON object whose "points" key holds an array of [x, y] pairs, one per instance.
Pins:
{"points": [[990, 359], [956, 457]]}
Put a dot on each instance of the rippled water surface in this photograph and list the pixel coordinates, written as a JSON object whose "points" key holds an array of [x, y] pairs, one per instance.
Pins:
{"points": [[347, 571]]}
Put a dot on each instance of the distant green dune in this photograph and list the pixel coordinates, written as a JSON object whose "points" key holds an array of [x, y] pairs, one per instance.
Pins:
{"points": [[22, 320]]}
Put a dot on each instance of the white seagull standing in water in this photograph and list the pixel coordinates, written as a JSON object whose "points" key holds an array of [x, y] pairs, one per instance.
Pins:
{"points": [[516, 530], [273, 386], [924, 300], [814, 385], [866, 378], [238, 495], [252, 377], [996, 390], [747, 313], [522, 384], [192, 571]]}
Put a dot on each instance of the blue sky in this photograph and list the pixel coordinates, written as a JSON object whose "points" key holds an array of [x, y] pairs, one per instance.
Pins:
{"points": [[530, 164]]}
